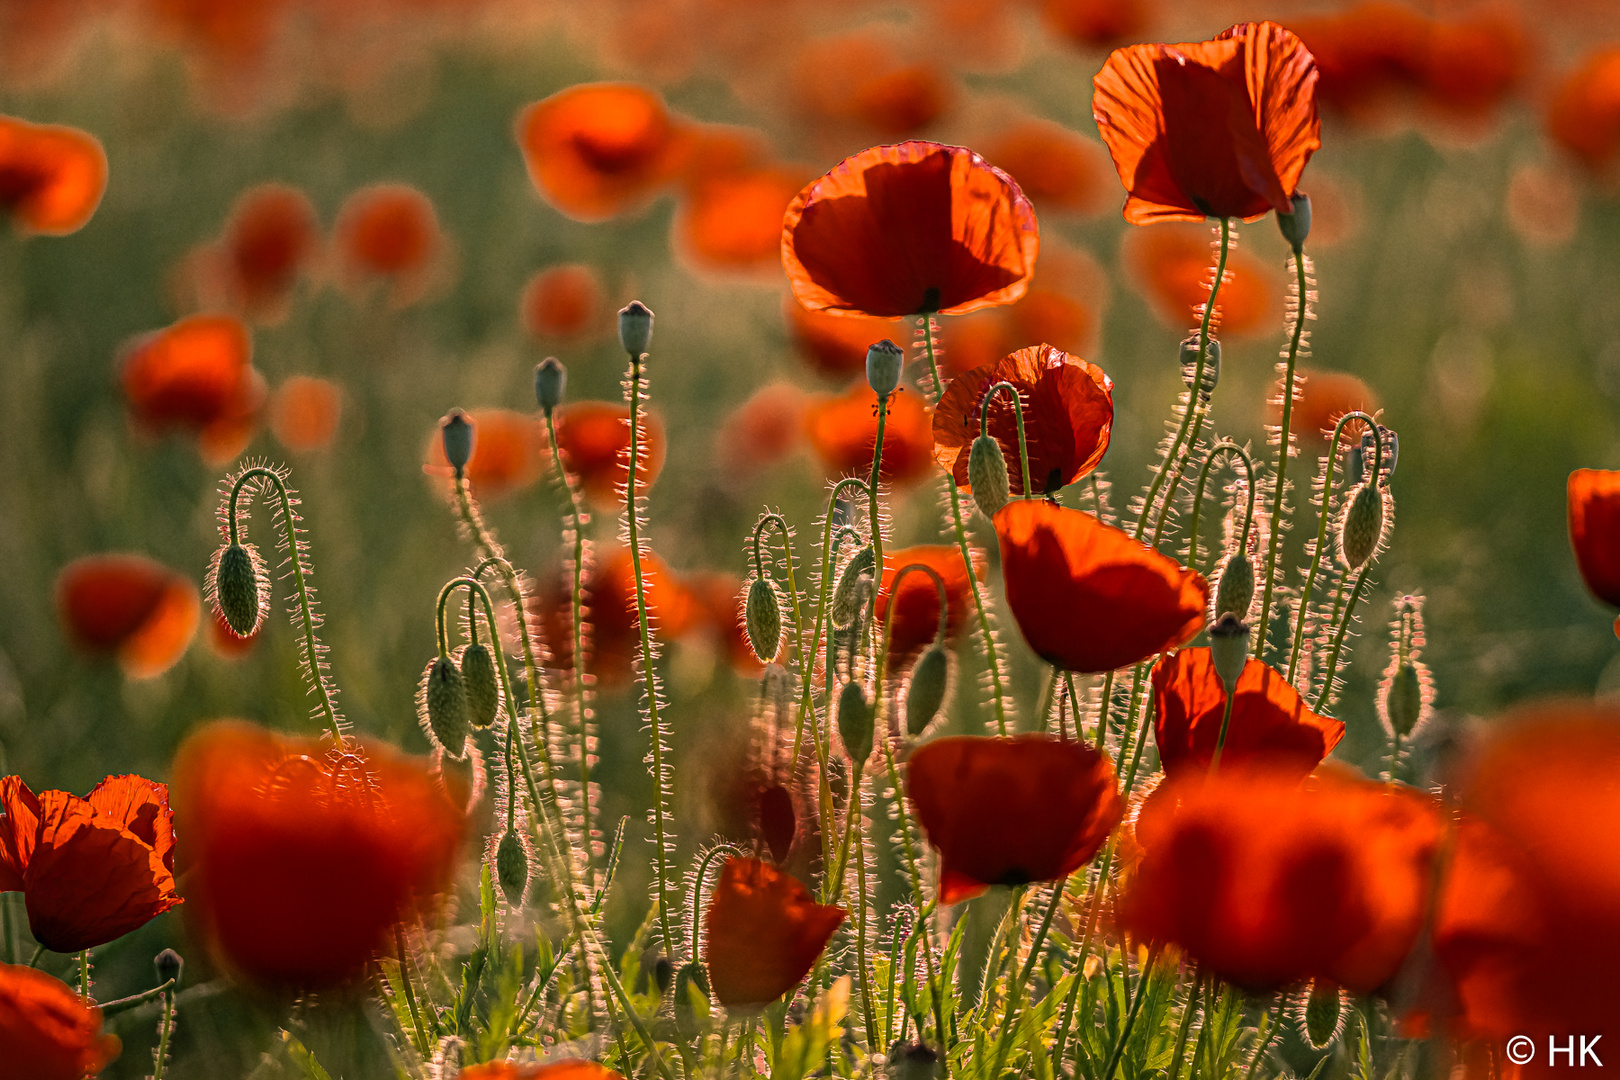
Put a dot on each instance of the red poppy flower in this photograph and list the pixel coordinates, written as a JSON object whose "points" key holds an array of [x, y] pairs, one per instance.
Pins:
{"points": [[563, 302], [594, 437], [270, 237], [304, 415], [1087, 597], [1267, 883], [1068, 409], [1093, 23], [196, 376], [1218, 128], [388, 231], [733, 221], [600, 149], [1270, 723], [842, 430], [301, 859], [1594, 530], [91, 869], [835, 344], [1011, 811], [761, 431], [908, 229], [49, 1032], [1321, 398], [51, 178], [1057, 168], [1584, 117], [1063, 307], [130, 607], [916, 615], [863, 81], [762, 935], [509, 449], [1174, 265], [614, 634], [556, 1070]]}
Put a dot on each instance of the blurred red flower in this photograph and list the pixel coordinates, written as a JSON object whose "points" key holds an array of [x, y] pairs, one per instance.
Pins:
{"points": [[1594, 530], [1219, 128], [916, 613], [1584, 116], [563, 302], [300, 859], [128, 606], [555, 1070], [49, 1032], [1321, 399], [1059, 169], [835, 344], [842, 430], [1088, 597], [304, 413], [1266, 882], [1093, 23], [1173, 265], [614, 633], [226, 642], [760, 432], [390, 232], [908, 229], [733, 221], [762, 935], [1063, 307], [594, 437], [91, 869], [1009, 811], [196, 375], [270, 237], [1068, 414], [51, 178], [509, 449], [863, 81], [1270, 724]]}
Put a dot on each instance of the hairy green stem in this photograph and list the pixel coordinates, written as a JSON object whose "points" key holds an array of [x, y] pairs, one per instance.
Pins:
{"points": [[1283, 446]]}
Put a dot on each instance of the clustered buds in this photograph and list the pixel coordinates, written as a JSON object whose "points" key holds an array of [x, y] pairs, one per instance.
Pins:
{"points": [[883, 363], [987, 475], [550, 383], [457, 432], [1212, 366], [762, 619], [855, 722], [239, 590], [444, 699], [478, 675], [635, 328]]}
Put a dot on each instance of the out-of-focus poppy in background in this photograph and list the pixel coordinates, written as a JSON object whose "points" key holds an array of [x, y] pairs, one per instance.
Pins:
{"points": [[49, 1032], [842, 431], [129, 607], [762, 934], [51, 178]]}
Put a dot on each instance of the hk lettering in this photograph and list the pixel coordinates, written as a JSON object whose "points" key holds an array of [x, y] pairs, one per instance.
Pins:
{"points": [[1587, 1049]]}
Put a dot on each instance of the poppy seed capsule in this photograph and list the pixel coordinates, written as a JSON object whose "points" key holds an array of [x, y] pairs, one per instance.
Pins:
{"points": [[550, 382], [1234, 586], [512, 868], [635, 328], [1403, 700], [1321, 1014], [1229, 649], [1363, 525], [987, 475], [478, 675], [1212, 366], [457, 433], [169, 966], [855, 723], [1296, 226], [883, 363], [445, 696], [236, 590], [930, 677], [762, 618], [843, 598]]}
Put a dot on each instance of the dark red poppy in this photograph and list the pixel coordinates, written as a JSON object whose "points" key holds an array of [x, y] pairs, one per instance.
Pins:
{"points": [[1219, 128], [269, 238], [90, 870], [1058, 169], [761, 431], [1270, 724], [1173, 266], [563, 302], [49, 1032], [594, 437], [196, 376], [509, 450], [304, 413], [733, 221], [1094, 23], [1087, 597], [555, 1070], [762, 935], [1011, 811], [835, 344], [51, 178], [389, 232], [842, 430], [1068, 408], [908, 229], [863, 81], [129, 607], [1267, 883], [614, 635], [300, 860], [1594, 530], [1584, 117], [916, 613], [1321, 399]]}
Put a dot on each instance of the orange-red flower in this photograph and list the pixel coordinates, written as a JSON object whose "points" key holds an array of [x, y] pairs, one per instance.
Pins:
{"points": [[1219, 128], [563, 302], [196, 375], [842, 429], [1270, 723], [835, 344], [733, 221], [304, 413], [614, 634], [1099, 22], [916, 613], [49, 1032], [91, 869], [1173, 266], [388, 232], [51, 178], [1068, 408], [130, 607], [509, 449], [908, 229], [1594, 530], [1321, 398], [594, 437], [762, 935], [597, 150], [761, 431], [1056, 167], [1267, 883], [1087, 597], [863, 80], [270, 237], [1011, 811], [556, 1070], [1584, 117], [301, 859]]}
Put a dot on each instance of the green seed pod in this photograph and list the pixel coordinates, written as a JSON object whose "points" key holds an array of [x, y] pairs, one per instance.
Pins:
{"points": [[987, 475], [169, 965], [478, 675], [1234, 586], [762, 618], [444, 697], [883, 363], [1296, 226], [512, 868], [237, 590], [855, 723], [1403, 699], [1229, 649], [843, 598], [1212, 365], [930, 677], [550, 382], [691, 998], [1321, 1015], [635, 328], [1363, 525], [457, 432]]}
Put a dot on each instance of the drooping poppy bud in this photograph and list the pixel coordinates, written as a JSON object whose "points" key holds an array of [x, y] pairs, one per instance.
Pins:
{"points": [[883, 363], [444, 706], [512, 867], [550, 383], [690, 979], [1362, 527], [1321, 1012], [842, 608], [635, 328], [1296, 226], [987, 475], [239, 589], [762, 618], [764, 934], [478, 676], [925, 693], [457, 434], [855, 723]]}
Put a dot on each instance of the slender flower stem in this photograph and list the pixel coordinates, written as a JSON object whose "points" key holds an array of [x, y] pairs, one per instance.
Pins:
{"points": [[84, 973], [420, 1040], [1125, 1032], [696, 899], [1338, 637], [1187, 1012], [861, 916], [1028, 490], [1270, 1035], [1226, 724], [1283, 448], [160, 1058], [873, 512], [1015, 992], [919, 897], [1225, 446]]}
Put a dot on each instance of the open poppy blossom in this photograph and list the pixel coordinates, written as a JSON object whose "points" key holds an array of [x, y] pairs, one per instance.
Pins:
{"points": [[1173, 266], [1088, 597], [835, 344], [733, 221], [91, 869], [1594, 530], [129, 607], [555, 1070], [301, 859], [1321, 398], [762, 935], [1267, 883], [1009, 811], [907, 230], [594, 437], [196, 375], [597, 150], [1210, 129], [563, 302], [509, 450], [842, 430], [1068, 408], [51, 178], [49, 1032], [1059, 169], [270, 237], [916, 613], [1270, 723]]}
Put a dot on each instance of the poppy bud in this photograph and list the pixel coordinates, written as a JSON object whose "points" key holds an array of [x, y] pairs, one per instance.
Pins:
{"points": [[1234, 586], [687, 1020], [855, 723], [512, 868], [458, 440], [169, 966], [1403, 699], [635, 328], [444, 696], [883, 363], [930, 677], [762, 618], [656, 971], [236, 589], [1212, 366], [843, 598], [913, 1061], [1321, 1014], [478, 675], [1297, 225], [1363, 525], [550, 381], [987, 475], [1229, 649]]}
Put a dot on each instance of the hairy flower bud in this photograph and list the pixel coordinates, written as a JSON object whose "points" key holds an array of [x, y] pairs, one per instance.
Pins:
{"points": [[987, 475], [1296, 226], [844, 593], [169, 966], [1234, 586], [1321, 1014], [444, 699], [457, 432], [1362, 526], [550, 383], [883, 363], [512, 867], [478, 675], [930, 678], [1403, 700], [762, 619], [1229, 649], [635, 328], [1212, 366], [855, 722], [238, 591]]}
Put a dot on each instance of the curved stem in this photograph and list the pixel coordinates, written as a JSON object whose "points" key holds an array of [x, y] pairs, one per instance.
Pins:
{"points": [[1283, 448], [910, 851], [730, 851], [1225, 446], [1226, 724], [1018, 411]]}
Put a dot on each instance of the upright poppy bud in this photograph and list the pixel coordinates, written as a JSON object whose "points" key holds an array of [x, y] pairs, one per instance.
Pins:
{"points": [[512, 867], [1296, 225], [1362, 527], [883, 363], [169, 965], [457, 433], [239, 589], [762, 618], [855, 723], [550, 383], [1212, 366], [445, 716], [987, 475], [1406, 694], [478, 676], [635, 328], [764, 934]]}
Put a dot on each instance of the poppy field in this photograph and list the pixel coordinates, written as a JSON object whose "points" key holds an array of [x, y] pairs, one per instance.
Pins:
{"points": [[1059, 539]]}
